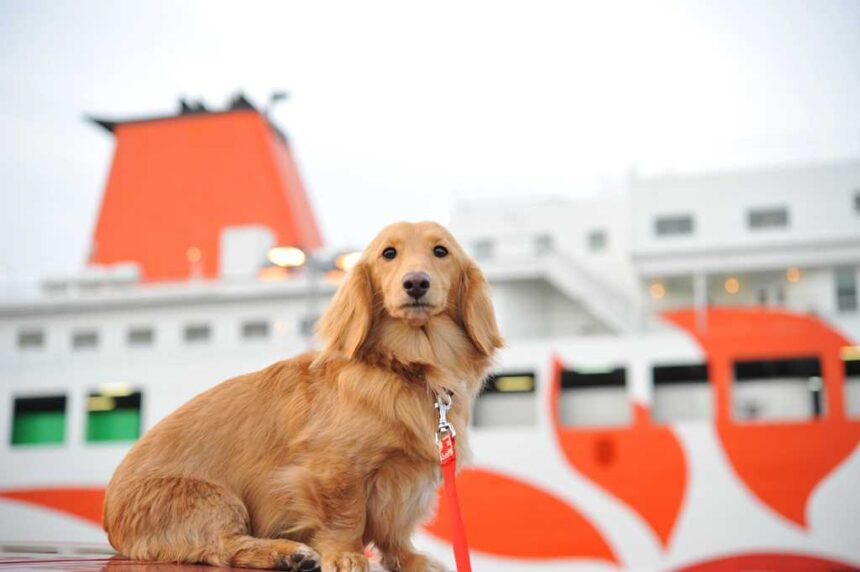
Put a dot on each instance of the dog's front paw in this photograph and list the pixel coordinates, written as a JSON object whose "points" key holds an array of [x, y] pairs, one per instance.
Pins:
{"points": [[303, 559], [345, 562]]}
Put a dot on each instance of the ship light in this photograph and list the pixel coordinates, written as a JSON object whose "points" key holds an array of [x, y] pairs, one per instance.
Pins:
{"points": [[595, 369], [101, 403], [193, 254], [850, 353], [287, 256], [792, 274], [511, 383], [347, 260], [116, 389], [733, 285], [272, 274], [657, 290]]}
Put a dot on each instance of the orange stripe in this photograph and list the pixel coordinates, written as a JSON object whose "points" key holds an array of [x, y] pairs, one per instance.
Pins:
{"points": [[85, 503]]}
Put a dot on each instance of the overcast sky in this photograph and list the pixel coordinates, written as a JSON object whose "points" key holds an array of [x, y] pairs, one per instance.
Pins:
{"points": [[398, 110]]}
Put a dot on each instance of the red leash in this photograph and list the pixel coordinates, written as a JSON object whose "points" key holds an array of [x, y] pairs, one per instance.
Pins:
{"points": [[448, 459]]}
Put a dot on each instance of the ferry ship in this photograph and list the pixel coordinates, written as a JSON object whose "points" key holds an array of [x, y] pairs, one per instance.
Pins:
{"points": [[680, 389]]}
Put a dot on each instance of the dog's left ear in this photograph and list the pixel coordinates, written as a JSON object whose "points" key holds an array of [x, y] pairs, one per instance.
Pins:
{"points": [[476, 310], [344, 326]]}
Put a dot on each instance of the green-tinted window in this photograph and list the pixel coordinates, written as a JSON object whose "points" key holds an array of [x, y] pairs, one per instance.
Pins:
{"points": [[39, 420], [112, 417]]}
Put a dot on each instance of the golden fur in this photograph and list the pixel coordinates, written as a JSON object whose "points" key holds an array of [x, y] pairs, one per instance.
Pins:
{"points": [[301, 465]]}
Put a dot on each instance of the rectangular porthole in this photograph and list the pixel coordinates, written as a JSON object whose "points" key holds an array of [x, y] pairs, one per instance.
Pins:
{"points": [[507, 400], [674, 225], [39, 420], [307, 325], [681, 393], [113, 415], [543, 244], [31, 339], [594, 397], [255, 330], [597, 240], [778, 390], [85, 340], [141, 336], [483, 249], [197, 333], [772, 217], [846, 289]]}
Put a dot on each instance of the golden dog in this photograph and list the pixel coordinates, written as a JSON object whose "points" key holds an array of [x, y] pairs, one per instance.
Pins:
{"points": [[300, 466]]}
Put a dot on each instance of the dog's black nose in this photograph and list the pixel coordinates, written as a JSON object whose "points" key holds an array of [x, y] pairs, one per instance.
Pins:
{"points": [[416, 284]]}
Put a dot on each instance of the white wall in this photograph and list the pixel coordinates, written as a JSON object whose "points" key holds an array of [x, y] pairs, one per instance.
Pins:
{"points": [[514, 226], [819, 200]]}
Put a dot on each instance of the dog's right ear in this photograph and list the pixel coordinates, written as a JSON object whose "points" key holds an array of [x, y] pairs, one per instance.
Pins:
{"points": [[344, 326]]}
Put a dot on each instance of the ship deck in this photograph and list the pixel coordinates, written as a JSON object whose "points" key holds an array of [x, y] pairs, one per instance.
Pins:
{"points": [[35, 557]]}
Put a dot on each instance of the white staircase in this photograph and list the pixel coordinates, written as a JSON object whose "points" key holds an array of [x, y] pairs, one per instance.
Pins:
{"points": [[608, 305]]}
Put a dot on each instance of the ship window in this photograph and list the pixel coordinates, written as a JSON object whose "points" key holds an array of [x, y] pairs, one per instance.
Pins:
{"points": [[507, 400], [857, 201], [543, 244], [594, 397], [846, 289], [307, 325], [113, 416], [781, 389], [851, 355], [483, 249], [597, 240], [31, 339], [197, 333], [681, 393], [771, 217], [141, 336], [85, 340], [674, 225], [257, 329], [39, 420]]}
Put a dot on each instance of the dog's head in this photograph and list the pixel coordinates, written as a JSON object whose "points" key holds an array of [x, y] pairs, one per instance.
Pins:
{"points": [[414, 272]]}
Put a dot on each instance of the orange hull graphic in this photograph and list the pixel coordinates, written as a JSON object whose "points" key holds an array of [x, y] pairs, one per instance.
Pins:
{"points": [[770, 563], [643, 465], [781, 463], [85, 503], [507, 517]]}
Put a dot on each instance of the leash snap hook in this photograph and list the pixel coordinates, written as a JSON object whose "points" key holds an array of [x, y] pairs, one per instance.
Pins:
{"points": [[443, 405]]}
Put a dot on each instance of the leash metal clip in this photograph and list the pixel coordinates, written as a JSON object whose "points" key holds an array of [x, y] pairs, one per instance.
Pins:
{"points": [[443, 405]]}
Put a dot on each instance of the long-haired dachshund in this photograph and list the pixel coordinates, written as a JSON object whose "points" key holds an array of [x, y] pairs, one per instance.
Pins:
{"points": [[300, 466]]}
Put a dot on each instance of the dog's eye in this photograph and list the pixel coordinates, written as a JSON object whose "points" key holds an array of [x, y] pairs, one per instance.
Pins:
{"points": [[389, 253], [440, 252]]}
